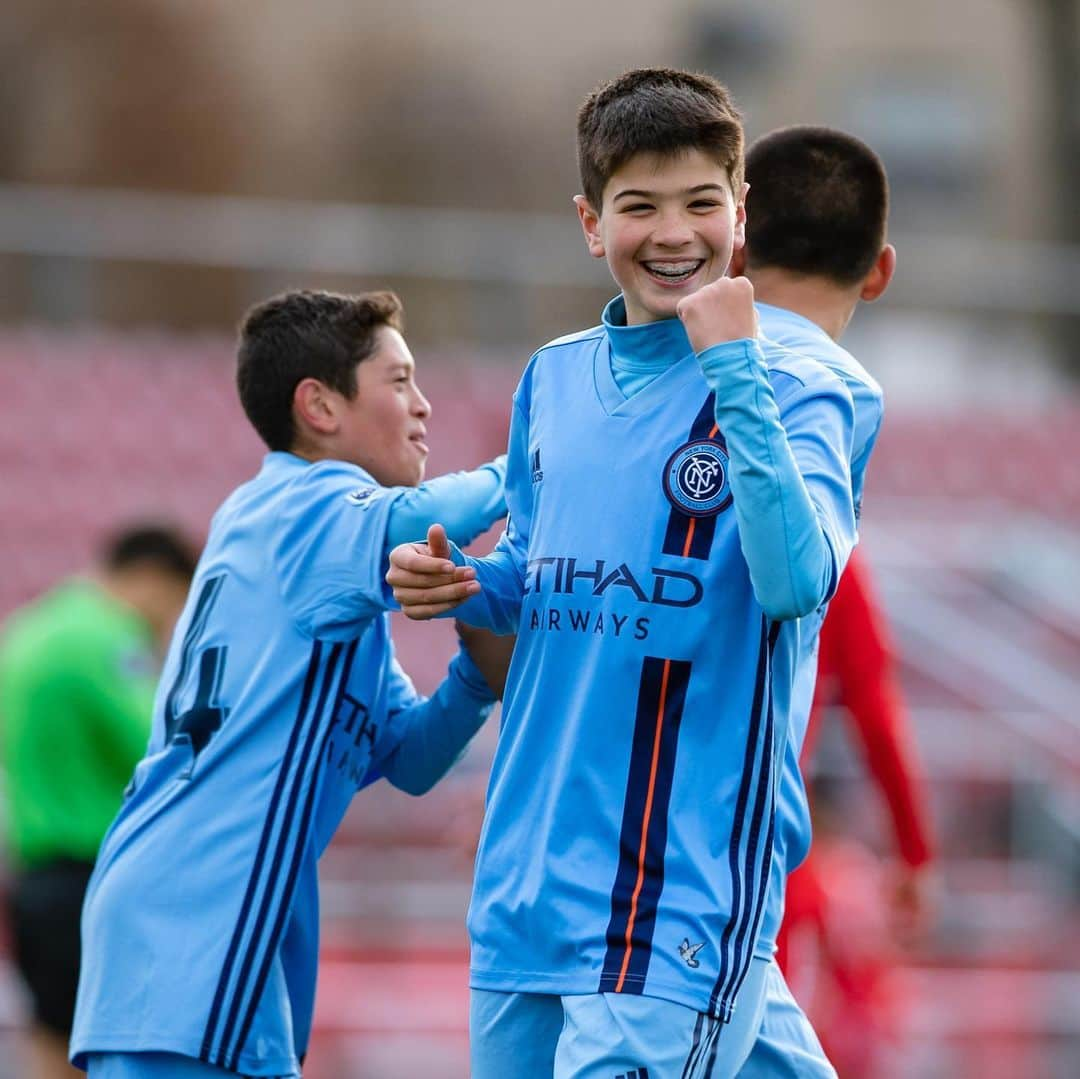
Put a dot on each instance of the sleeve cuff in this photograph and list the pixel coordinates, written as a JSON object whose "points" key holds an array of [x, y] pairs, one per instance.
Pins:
{"points": [[470, 675]]}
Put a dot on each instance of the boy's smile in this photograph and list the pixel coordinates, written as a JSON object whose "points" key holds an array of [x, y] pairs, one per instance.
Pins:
{"points": [[668, 225], [382, 428]]}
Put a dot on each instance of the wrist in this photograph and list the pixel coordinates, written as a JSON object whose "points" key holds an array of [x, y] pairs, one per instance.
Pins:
{"points": [[721, 360], [498, 466]]}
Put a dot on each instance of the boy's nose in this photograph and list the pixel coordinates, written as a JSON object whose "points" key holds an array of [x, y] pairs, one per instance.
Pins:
{"points": [[673, 230], [421, 406]]}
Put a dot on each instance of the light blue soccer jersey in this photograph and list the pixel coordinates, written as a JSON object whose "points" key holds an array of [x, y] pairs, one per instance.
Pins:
{"points": [[280, 697], [654, 585], [792, 840]]}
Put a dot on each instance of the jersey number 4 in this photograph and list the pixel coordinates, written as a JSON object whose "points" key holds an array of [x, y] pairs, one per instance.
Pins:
{"points": [[206, 713]]}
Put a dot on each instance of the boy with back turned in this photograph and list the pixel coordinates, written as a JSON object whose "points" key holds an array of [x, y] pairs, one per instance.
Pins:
{"points": [[816, 248], [680, 499]]}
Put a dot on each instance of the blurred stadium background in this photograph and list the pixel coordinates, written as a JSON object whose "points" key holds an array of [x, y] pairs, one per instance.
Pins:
{"points": [[164, 164]]}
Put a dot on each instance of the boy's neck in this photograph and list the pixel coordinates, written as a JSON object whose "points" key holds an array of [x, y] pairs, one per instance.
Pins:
{"points": [[310, 449], [824, 303]]}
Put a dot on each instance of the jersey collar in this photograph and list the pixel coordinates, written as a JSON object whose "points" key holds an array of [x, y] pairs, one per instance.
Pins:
{"points": [[282, 462], [785, 314], [662, 345], [651, 344]]}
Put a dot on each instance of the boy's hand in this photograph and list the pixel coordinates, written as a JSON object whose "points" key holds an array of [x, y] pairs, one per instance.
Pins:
{"points": [[720, 312], [424, 580], [914, 903]]}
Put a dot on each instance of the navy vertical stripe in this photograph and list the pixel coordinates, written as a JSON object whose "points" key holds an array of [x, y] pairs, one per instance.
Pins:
{"points": [[766, 858], [717, 1030], [272, 818], [705, 420], [210, 1034], [717, 1003], [273, 874], [264, 839], [299, 845], [751, 875], [639, 877], [700, 530], [691, 1060], [701, 541]]}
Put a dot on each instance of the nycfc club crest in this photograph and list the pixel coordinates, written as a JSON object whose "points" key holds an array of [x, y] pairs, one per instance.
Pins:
{"points": [[696, 480]]}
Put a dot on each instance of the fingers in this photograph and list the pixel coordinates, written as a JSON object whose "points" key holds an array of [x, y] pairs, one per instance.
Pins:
{"points": [[416, 558], [421, 603], [438, 544], [426, 583], [403, 578], [720, 311]]}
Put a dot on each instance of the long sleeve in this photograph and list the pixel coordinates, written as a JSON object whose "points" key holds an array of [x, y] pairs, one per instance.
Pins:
{"points": [[430, 733], [856, 665], [466, 504], [789, 473], [502, 573], [330, 548]]}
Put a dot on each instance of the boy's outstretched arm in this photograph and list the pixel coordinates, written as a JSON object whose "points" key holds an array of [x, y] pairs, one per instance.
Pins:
{"points": [[426, 735], [790, 475], [420, 575], [464, 503]]}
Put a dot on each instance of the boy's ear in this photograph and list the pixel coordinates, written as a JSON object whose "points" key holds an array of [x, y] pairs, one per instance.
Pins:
{"points": [[881, 273], [590, 225], [314, 407], [740, 219], [737, 265]]}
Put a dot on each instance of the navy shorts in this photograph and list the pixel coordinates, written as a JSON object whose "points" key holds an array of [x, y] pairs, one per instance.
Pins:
{"points": [[46, 906]]}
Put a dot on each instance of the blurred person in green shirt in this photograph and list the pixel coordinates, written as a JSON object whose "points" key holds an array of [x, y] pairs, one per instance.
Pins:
{"points": [[78, 672]]}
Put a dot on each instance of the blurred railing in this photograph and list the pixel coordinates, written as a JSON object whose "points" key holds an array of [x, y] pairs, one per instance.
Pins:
{"points": [[954, 272]]}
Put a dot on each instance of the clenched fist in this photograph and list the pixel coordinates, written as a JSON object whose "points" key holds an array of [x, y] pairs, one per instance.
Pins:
{"points": [[720, 312]]}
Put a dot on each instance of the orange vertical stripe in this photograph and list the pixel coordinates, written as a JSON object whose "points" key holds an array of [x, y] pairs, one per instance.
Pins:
{"points": [[645, 826], [689, 538], [693, 520]]}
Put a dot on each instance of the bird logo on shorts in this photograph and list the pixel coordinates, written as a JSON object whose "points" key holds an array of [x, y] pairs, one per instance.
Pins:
{"points": [[689, 952]]}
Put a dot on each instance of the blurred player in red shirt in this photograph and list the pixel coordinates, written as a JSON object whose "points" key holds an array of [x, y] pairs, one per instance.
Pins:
{"points": [[844, 913]]}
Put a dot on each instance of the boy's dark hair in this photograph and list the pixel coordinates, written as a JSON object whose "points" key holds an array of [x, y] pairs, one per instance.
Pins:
{"points": [[818, 203], [300, 335], [162, 546], [659, 111]]}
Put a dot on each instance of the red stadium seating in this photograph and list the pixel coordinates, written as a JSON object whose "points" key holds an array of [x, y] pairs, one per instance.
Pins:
{"points": [[101, 428]]}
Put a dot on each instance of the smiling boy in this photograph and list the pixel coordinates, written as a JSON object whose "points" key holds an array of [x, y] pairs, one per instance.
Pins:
{"points": [[680, 498], [279, 699]]}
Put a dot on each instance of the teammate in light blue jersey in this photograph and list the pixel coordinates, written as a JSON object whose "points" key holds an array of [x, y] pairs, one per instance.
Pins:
{"points": [[279, 699], [816, 246], [680, 501]]}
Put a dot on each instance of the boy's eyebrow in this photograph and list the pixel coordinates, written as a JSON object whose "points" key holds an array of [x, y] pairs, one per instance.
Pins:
{"points": [[633, 191]]}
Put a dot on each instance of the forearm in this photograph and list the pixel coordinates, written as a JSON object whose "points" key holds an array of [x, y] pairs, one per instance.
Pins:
{"points": [[792, 565], [437, 730], [466, 504], [881, 722]]}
